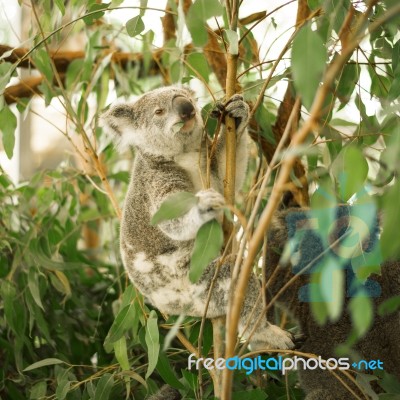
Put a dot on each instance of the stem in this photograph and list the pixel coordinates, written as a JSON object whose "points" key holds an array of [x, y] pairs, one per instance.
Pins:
{"points": [[229, 182]]}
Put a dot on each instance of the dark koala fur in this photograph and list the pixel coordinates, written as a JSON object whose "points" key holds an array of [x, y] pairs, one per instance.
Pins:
{"points": [[380, 342]]}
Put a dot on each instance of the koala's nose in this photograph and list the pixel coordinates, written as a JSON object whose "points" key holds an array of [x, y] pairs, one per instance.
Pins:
{"points": [[184, 108]]}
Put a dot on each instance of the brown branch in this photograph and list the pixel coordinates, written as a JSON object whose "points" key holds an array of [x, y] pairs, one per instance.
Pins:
{"points": [[252, 18], [30, 86], [345, 30], [62, 59], [300, 194], [26, 88]]}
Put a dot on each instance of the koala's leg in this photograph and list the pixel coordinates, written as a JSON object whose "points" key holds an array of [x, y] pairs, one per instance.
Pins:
{"points": [[266, 335]]}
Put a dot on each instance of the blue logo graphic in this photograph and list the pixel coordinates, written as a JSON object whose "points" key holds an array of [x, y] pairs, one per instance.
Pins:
{"points": [[343, 240]]}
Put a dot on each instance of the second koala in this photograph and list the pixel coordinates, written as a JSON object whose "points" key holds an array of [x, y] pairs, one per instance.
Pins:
{"points": [[166, 128]]}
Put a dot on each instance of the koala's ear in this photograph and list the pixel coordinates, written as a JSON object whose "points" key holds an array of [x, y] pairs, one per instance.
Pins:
{"points": [[116, 118]]}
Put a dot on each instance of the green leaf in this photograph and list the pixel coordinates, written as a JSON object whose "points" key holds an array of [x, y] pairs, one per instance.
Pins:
{"points": [[395, 87], [265, 119], [89, 19], [43, 63], [174, 206], [60, 5], [332, 283], [135, 26], [391, 222], [313, 4], [396, 55], [347, 82], [123, 321], [6, 69], [74, 74], [198, 66], [167, 373], [43, 363], [380, 86], [361, 313], [121, 353], [207, 246], [389, 306], [198, 14], [62, 389], [308, 63], [33, 284], [38, 391], [7, 128], [152, 342], [233, 41], [104, 386], [351, 170], [364, 382]]}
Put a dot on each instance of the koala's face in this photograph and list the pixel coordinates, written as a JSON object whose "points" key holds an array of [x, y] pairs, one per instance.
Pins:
{"points": [[164, 121]]}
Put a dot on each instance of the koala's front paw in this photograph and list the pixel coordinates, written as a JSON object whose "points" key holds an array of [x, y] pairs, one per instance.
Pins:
{"points": [[236, 108], [210, 203], [280, 339], [273, 338]]}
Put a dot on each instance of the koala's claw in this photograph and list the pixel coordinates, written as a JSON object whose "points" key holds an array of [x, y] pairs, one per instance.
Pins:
{"points": [[218, 110], [235, 107], [210, 201], [272, 337]]}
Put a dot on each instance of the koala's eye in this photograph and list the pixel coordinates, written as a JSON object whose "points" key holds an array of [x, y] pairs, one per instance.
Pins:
{"points": [[159, 111]]}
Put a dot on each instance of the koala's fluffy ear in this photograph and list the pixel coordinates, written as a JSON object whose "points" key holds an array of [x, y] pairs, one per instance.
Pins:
{"points": [[115, 122]]}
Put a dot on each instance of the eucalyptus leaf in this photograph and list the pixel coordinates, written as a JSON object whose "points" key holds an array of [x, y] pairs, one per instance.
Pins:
{"points": [[43, 363], [93, 15], [396, 55], [389, 306], [123, 321], [7, 127], [207, 246], [153, 342], [198, 66], [62, 390], [361, 320], [174, 206], [350, 179], [198, 14], [309, 57], [135, 26], [104, 387], [60, 5], [121, 353], [347, 82]]}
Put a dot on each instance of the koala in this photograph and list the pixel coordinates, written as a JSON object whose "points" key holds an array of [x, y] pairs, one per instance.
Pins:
{"points": [[380, 342], [166, 129]]}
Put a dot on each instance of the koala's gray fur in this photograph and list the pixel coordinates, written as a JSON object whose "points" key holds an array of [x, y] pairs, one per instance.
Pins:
{"points": [[381, 341], [166, 128]]}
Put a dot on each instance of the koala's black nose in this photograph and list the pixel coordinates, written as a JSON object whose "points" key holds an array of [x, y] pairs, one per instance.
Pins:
{"points": [[184, 108]]}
